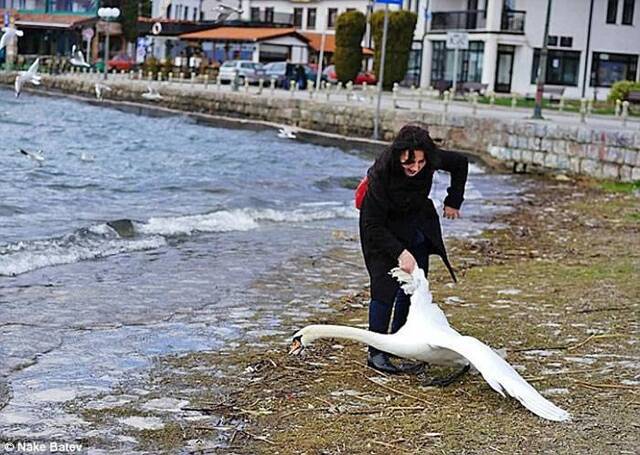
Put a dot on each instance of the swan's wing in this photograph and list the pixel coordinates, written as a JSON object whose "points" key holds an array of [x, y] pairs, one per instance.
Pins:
{"points": [[33, 69], [73, 50], [3, 40], [499, 374]]}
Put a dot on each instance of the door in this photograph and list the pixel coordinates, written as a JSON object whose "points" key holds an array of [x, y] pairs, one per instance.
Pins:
{"points": [[504, 68]]}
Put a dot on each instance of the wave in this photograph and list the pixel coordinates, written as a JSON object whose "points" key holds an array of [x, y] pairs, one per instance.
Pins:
{"points": [[107, 239]]}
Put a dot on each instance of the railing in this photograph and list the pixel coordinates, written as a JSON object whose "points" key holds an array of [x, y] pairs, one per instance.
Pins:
{"points": [[459, 20], [513, 21]]}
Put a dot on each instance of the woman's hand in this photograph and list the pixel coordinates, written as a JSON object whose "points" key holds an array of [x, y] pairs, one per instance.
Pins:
{"points": [[451, 213], [406, 261]]}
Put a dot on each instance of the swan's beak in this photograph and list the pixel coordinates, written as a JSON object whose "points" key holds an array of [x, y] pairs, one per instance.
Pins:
{"points": [[296, 347]]}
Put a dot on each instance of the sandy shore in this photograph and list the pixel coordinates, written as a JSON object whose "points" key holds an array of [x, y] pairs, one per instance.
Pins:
{"points": [[557, 287]]}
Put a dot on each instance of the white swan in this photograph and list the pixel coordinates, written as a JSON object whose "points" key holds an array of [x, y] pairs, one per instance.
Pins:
{"points": [[31, 75], [427, 336], [35, 156], [287, 132]]}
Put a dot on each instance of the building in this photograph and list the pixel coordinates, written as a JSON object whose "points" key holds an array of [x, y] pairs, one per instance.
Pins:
{"points": [[592, 44]]}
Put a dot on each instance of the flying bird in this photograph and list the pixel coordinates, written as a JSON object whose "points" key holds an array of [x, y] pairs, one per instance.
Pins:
{"points": [[35, 156], [9, 34], [31, 75], [287, 132], [152, 94], [427, 337], [100, 89], [77, 58]]}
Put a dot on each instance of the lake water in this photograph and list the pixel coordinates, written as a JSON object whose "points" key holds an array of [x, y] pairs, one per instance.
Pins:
{"points": [[218, 216]]}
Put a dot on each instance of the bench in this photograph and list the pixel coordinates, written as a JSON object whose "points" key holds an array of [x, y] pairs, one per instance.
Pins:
{"points": [[633, 96], [552, 93], [470, 87]]}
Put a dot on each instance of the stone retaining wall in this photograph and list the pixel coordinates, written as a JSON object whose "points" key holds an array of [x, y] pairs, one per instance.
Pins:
{"points": [[584, 150]]}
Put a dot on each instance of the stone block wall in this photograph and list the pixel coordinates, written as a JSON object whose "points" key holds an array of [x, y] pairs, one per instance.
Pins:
{"points": [[583, 150]]}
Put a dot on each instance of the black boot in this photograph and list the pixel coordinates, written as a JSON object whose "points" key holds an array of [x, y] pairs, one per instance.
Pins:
{"points": [[380, 361]]}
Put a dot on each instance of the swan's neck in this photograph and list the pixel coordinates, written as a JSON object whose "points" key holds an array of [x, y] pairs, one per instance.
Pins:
{"points": [[377, 340]]}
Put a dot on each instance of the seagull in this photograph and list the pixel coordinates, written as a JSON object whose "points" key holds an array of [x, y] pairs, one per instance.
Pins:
{"points": [[287, 132], [35, 156], [77, 58], [9, 34], [31, 75], [87, 157], [152, 94], [99, 90], [427, 337]]}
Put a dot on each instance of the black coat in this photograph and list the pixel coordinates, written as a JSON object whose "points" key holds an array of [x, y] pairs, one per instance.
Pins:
{"points": [[386, 231]]}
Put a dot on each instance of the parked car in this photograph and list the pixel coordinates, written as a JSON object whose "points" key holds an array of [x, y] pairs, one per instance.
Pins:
{"points": [[121, 62], [246, 70], [366, 76], [363, 76], [281, 72]]}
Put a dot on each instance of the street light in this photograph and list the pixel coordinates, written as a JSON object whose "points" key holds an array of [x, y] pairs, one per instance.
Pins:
{"points": [[107, 14]]}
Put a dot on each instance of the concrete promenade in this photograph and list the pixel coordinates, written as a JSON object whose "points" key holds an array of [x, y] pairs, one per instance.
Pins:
{"points": [[600, 146]]}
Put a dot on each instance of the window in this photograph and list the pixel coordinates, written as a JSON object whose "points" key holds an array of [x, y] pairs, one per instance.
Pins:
{"points": [[169, 11], [566, 41], [186, 13], [627, 12], [612, 11], [255, 14], [332, 15], [297, 17], [195, 14], [609, 68], [311, 18], [268, 14], [552, 40], [469, 63], [562, 67]]}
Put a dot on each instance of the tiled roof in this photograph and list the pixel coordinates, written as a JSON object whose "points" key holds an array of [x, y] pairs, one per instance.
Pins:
{"points": [[315, 42], [242, 34], [51, 20]]}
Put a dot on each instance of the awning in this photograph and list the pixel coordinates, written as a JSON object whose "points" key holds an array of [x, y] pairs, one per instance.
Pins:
{"points": [[50, 21], [251, 34], [315, 42]]}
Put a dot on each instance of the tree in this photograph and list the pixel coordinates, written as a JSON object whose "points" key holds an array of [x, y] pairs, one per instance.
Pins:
{"points": [[399, 38], [350, 28], [129, 12]]}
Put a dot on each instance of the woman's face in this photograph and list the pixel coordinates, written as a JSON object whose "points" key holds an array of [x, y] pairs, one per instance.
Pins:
{"points": [[412, 166]]}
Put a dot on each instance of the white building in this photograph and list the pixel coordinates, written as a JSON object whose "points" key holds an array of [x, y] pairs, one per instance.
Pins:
{"points": [[592, 43]]}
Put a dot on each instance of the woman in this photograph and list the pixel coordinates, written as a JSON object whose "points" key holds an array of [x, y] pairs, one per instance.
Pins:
{"points": [[399, 225]]}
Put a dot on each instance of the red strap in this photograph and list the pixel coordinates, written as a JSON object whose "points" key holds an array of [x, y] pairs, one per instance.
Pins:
{"points": [[361, 191]]}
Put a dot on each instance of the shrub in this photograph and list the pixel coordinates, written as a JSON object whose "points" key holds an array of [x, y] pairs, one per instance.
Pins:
{"points": [[620, 90], [399, 38], [350, 27]]}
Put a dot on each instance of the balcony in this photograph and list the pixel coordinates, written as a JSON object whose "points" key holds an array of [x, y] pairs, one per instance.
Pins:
{"points": [[513, 21], [268, 17], [459, 20]]}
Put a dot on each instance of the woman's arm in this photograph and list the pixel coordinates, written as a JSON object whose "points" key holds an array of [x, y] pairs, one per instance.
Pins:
{"points": [[457, 165]]}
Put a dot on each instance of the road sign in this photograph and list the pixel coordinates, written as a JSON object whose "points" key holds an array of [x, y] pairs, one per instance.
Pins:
{"points": [[87, 33], [457, 40], [6, 18], [390, 2]]}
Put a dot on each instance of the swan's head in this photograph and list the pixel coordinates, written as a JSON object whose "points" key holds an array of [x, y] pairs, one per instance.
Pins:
{"points": [[301, 339]]}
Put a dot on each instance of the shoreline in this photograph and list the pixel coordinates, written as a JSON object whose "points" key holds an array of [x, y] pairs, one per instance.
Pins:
{"points": [[540, 287]]}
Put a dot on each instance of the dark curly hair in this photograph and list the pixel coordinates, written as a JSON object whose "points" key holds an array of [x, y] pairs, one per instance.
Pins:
{"points": [[411, 137]]}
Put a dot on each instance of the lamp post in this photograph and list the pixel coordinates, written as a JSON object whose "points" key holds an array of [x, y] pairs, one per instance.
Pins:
{"points": [[542, 67], [107, 14]]}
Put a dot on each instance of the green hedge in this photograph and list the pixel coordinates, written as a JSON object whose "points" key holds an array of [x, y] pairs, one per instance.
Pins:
{"points": [[399, 38], [620, 90], [350, 28]]}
